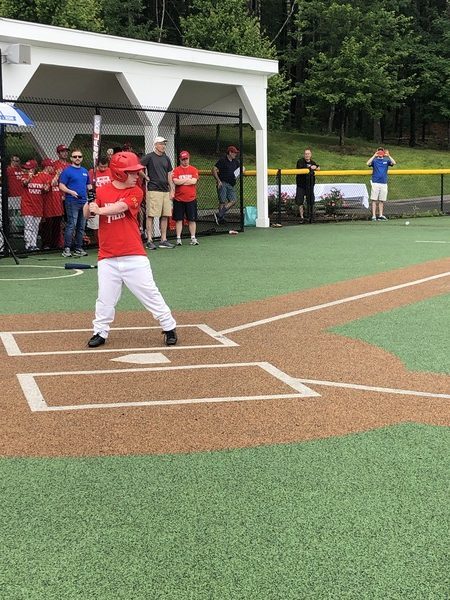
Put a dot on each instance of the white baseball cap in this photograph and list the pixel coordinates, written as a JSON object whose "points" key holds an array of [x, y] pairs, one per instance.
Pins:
{"points": [[159, 140]]}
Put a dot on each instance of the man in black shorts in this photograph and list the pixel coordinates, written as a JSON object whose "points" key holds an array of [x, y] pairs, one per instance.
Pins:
{"points": [[185, 178], [305, 183]]}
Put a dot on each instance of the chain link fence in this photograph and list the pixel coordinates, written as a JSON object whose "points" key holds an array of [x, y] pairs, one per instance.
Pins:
{"points": [[206, 135]]}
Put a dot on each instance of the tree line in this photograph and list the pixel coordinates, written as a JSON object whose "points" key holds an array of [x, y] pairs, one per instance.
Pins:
{"points": [[378, 70]]}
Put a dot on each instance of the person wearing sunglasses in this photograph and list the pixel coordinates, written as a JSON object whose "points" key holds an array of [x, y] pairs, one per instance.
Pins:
{"points": [[74, 183]]}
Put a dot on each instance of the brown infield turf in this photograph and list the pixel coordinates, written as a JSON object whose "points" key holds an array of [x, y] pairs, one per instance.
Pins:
{"points": [[299, 346]]}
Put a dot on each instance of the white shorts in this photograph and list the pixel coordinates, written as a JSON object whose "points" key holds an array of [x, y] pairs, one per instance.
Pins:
{"points": [[379, 192]]}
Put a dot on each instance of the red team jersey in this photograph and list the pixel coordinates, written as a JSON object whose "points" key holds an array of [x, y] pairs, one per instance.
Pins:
{"points": [[185, 193], [60, 165], [32, 204], [15, 187], [119, 235], [53, 203], [101, 178]]}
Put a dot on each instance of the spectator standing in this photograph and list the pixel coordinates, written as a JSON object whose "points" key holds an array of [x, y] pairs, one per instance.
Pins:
{"points": [[32, 204], [102, 174], [305, 183], [99, 177], [122, 258], [14, 174], [62, 161], [52, 209], [380, 163], [185, 178], [225, 172], [74, 183], [160, 190]]}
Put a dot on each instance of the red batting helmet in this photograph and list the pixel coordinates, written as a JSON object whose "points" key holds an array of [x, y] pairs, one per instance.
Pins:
{"points": [[123, 162]]}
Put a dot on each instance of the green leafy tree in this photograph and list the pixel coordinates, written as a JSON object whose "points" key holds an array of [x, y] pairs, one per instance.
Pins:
{"points": [[130, 19], [75, 14], [18, 9], [348, 69], [227, 26]]}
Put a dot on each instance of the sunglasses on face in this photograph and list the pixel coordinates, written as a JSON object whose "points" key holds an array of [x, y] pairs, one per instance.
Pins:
{"points": [[77, 156]]}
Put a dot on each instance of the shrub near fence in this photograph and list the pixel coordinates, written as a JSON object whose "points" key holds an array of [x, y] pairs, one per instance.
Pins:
{"points": [[345, 195]]}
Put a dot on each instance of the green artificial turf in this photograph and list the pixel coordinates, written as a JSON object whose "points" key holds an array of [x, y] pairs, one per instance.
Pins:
{"points": [[227, 270], [417, 334], [361, 516]]}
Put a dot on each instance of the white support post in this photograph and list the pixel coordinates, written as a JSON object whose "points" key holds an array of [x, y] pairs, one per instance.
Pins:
{"points": [[262, 219]]}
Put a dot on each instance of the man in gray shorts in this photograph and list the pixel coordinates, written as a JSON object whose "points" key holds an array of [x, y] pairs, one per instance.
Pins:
{"points": [[160, 191]]}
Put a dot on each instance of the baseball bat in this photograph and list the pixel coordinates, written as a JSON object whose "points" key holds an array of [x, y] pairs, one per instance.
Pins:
{"points": [[79, 266]]}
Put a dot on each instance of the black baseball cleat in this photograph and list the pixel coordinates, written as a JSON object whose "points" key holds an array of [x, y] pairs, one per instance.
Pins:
{"points": [[96, 341], [170, 337]]}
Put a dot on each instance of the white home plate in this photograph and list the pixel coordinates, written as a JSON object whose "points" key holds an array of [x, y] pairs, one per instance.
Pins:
{"points": [[149, 358]]}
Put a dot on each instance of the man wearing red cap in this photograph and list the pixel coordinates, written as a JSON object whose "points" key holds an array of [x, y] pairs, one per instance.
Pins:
{"points": [[53, 210], [185, 178], [61, 162], [225, 172]]}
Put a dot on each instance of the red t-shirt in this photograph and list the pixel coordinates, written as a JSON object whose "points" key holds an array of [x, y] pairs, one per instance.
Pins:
{"points": [[119, 235], [60, 165], [15, 187], [185, 193], [53, 203], [101, 178], [31, 204]]}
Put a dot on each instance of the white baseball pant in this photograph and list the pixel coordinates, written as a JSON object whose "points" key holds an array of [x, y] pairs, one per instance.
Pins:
{"points": [[136, 273]]}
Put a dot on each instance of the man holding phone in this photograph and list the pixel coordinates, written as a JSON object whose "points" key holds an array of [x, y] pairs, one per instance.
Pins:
{"points": [[380, 163]]}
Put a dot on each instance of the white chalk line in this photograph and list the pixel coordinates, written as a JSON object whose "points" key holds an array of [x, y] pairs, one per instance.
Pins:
{"points": [[12, 348], [431, 242], [373, 388], [75, 273], [37, 403], [309, 309]]}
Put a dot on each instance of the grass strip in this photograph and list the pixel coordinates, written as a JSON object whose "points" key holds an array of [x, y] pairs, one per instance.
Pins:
{"points": [[361, 516]]}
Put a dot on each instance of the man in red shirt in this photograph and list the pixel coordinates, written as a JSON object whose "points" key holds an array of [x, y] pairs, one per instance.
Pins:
{"points": [[53, 210], [101, 175], [61, 162], [122, 257], [98, 177], [32, 205], [185, 178]]}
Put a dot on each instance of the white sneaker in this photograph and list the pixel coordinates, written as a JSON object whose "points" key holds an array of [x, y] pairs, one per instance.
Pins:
{"points": [[193, 242], [179, 242], [66, 253]]}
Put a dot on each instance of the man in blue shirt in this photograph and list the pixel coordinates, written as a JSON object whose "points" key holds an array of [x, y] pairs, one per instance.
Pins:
{"points": [[380, 163], [74, 182]]}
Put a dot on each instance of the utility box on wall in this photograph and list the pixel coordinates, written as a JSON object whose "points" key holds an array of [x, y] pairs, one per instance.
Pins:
{"points": [[19, 54]]}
